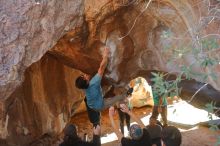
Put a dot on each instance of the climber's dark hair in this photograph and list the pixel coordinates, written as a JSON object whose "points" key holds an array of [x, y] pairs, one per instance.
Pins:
{"points": [[81, 83]]}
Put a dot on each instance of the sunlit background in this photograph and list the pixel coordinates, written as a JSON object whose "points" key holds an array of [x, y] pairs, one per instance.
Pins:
{"points": [[180, 113]]}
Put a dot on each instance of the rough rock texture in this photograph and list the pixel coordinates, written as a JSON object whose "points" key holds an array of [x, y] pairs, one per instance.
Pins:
{"points": [[43, 104], [28, 30], [142, 35], [140, 38]]}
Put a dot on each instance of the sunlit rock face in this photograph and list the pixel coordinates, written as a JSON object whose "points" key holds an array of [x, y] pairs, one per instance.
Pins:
{"points": [[142, 36]]}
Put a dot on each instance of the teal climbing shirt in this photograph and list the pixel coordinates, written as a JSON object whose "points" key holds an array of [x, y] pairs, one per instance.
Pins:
{"points": [[94, 93]]}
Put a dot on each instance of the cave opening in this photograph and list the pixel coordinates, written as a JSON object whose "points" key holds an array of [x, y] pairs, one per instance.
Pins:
{"points": [[49, 83], [141, 101]]}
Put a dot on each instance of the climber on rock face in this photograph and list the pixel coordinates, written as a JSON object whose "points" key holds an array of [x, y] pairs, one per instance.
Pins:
{"points": [[93, 89]]}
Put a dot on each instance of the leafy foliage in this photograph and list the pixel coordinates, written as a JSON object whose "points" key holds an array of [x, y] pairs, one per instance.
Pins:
{"points": [[208, 62], [165, 88], [209, 44], [203, 50], [204, 58]]}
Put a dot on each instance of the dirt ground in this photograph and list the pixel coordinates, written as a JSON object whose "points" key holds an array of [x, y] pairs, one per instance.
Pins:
{"points": [[196, 136]]}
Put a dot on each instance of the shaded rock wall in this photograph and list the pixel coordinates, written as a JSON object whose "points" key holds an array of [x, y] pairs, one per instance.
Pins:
{"points": [[42, 104]]}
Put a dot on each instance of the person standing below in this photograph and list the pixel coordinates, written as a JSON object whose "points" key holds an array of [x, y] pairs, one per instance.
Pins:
{"points": [[160, 106], [171, 136], [93, 89], [123, 116], [71, 137], [139, 135], [155, 128]]}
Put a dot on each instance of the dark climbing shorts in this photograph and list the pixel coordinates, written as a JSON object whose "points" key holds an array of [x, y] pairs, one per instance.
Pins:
{"points": [[94, 116]]}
